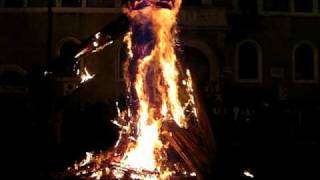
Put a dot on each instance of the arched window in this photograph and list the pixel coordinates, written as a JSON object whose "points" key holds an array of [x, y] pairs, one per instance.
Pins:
{"points": [[65, 63], [12, 75], [305, 62], [197, 62], [248, 6], [249, 62], [65, 45], [276, 5], [303, 5]]}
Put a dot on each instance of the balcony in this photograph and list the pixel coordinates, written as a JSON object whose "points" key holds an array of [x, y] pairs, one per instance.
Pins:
{"points": [[203, 17]]}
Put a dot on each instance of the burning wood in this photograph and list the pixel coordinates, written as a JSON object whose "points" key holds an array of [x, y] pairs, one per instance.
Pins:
{"points": [[161, 136], [86, 76]]}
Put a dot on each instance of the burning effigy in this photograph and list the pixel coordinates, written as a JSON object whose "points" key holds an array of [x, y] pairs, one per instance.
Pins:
{"points": [[163, 132]]}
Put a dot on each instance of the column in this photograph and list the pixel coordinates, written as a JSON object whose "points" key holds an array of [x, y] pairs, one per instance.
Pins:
{"points": [[260, 6], [25, 3], [315, 6], [291, 6], [235, 5], [58, 3], [84, 3], [2, 3]]}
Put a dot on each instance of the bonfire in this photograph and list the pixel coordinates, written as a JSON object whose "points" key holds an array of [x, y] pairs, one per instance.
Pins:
{"points": [[163, 134]]}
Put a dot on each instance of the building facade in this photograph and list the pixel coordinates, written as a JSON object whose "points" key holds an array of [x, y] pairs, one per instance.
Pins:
{"points": [[257, 44], [26, 39], [274, 45]]}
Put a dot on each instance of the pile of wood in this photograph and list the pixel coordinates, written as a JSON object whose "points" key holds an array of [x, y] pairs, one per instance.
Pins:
{"points": [[195, 145]]}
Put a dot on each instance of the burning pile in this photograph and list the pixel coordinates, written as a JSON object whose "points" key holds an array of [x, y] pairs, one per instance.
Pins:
{"points": [[161, 119]]}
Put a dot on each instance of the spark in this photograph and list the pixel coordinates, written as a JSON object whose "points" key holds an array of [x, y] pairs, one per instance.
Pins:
{"points": [[95, 44], [247, 173]]}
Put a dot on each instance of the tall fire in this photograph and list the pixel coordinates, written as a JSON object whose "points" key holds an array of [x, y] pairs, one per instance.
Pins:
{"points": [[161, 136]]}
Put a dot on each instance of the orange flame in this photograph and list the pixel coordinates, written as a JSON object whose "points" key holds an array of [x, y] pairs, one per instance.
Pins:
{"points": [[148, 144], [86, 76], [140, 147]]}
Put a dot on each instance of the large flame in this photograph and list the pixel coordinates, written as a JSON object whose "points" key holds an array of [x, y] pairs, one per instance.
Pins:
{"points": [[153, 82], [160, 102]]}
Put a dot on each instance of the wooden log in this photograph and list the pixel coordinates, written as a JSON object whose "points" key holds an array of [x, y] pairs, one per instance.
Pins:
{"points": [[189, 148]]}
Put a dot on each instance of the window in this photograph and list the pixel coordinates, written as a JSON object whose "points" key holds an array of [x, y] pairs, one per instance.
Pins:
{"points": [[276, 5], [197, 62], [230, 5], [39, 3], [249, 61], [71, 3], [303, 5], [191, 2], [14, 3], [100, 3], [247, 6], [66, 65], [305, 62], [12, 75]]}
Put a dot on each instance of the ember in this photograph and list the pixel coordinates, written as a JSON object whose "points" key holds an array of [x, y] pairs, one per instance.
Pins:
{"points": [[160, 101], [86, 76]]}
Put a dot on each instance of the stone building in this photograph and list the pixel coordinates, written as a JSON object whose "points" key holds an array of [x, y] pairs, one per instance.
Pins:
{"points": [[256, 44], [274, 45], [255, 50], [25, 40]]}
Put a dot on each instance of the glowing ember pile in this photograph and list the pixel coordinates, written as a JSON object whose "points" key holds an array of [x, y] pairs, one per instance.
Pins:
{"points": [[160, 99]]}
